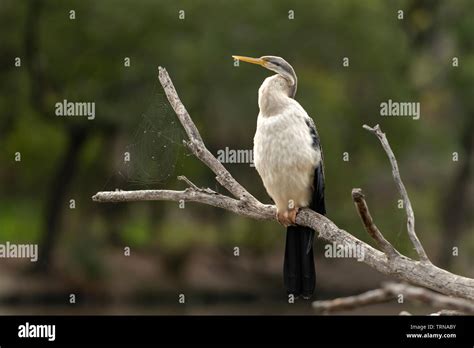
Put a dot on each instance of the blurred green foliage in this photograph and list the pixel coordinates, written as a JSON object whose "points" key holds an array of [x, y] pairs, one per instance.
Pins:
{"points": [[83, 60]]}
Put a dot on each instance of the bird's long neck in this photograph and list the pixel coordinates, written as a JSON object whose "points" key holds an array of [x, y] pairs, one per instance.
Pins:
{"points": [[274, 95]]}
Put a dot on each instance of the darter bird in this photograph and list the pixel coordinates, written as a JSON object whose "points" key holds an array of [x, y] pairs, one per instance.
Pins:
{"points": [[289, 159]]}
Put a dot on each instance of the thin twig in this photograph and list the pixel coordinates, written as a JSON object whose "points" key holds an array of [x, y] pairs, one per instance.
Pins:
{"points": [[189, 182]]}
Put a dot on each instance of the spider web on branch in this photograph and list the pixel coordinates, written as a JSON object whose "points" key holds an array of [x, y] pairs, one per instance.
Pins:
{"points": [[156, 145]]}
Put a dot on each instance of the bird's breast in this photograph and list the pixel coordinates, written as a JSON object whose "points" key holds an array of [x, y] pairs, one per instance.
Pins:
{"points": [[285, 158]]}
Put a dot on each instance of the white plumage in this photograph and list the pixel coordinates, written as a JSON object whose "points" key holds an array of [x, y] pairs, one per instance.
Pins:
{"points": [[288, 157], [284, 155]]}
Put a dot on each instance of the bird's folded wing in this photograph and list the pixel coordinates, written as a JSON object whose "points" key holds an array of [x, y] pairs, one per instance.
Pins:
{"points": [[317, 201]]}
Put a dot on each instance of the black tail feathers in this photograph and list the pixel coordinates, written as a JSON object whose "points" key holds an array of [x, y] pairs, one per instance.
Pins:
{"points": [[298, 270]]}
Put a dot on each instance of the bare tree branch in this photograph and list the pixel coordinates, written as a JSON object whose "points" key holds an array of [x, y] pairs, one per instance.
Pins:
{"points": [[430, 297], [391, 291], [403, 192], [447, 312], [421, 273], [352, 302], [189, 182], [204, 196], [372, 230], [196, 144]]}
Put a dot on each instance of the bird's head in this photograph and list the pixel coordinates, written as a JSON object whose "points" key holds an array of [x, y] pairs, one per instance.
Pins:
{"points": [[274, 63]]}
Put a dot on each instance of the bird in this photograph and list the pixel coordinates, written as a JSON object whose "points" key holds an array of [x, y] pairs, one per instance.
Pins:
{"points": [[289, 159]]}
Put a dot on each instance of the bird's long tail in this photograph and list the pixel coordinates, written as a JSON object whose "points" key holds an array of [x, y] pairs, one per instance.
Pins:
{"points": [[298, 270]]}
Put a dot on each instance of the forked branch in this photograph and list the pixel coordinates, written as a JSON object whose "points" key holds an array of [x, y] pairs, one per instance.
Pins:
{"points": [[403, 192]]}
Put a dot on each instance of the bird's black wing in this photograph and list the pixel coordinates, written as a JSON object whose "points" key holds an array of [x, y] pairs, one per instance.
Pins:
{"points": [[317, 197], [317, 200]]}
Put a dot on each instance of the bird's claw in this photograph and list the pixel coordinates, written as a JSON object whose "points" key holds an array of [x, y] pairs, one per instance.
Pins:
{"points": [[292, 215], [287, 217], [280, 216]]}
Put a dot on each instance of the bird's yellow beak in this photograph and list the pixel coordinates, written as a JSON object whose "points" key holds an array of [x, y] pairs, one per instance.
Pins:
{"points": [[257, 61]]}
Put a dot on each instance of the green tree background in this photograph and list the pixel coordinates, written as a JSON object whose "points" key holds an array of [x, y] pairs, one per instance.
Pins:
{"points": [[191, 250]]}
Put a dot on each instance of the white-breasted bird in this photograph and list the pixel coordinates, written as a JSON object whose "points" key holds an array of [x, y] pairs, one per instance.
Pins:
{"points": [[289, 159]]}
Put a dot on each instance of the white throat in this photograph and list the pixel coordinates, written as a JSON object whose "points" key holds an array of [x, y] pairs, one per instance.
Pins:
{"points": [[273, 95]]}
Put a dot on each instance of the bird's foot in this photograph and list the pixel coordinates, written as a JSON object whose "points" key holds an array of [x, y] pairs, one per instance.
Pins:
{"points": [[292, 215], [287, 217], [280, 216]]}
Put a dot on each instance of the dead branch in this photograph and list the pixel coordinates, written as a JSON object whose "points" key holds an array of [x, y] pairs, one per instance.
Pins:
{"points": [[390, 262], [196, 144], [447, 312], [391, 291], [352, 302], [372, 230], [403, 192]]}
